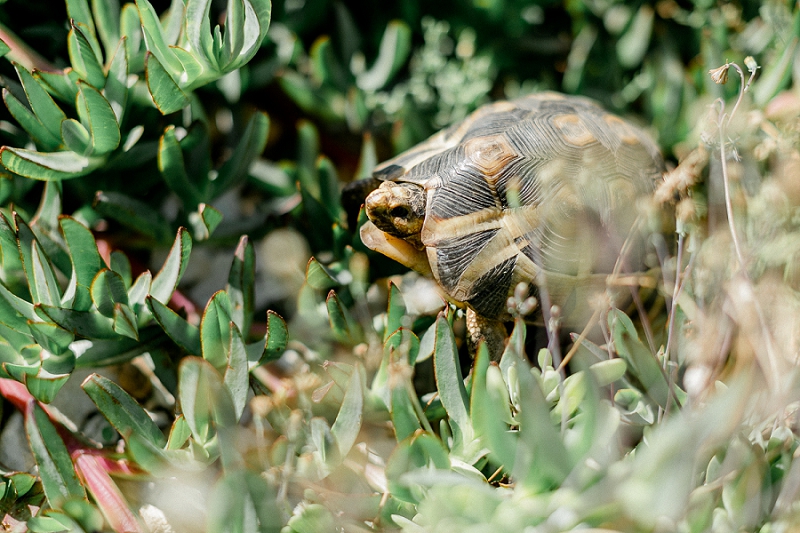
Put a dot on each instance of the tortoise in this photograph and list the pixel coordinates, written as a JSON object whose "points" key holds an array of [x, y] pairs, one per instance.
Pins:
{"points": [[542, 189]]}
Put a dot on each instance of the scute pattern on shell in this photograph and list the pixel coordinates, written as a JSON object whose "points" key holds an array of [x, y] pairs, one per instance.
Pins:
{"points": [[543, 184]]}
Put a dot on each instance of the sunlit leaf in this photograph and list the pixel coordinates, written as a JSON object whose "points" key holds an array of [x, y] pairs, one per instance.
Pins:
{"points": [[46, 165]]}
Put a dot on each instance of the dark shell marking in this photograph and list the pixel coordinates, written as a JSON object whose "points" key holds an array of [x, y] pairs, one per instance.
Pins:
{"points": [[543, 183]]}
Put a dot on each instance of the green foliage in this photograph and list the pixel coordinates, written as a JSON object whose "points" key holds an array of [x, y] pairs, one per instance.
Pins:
{"points": [[171, 191]]}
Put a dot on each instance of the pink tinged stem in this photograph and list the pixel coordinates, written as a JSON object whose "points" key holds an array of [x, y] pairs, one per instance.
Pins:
{"points": [[94, 475]]}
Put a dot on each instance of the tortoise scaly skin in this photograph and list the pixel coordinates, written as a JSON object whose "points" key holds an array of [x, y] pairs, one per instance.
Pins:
{"points": [[542, 190]]}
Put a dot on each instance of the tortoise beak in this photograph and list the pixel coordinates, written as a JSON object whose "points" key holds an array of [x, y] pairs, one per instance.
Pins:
{"points": [[401, 251]]}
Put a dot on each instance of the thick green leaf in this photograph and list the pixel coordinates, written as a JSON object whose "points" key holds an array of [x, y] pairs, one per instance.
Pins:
{"points": [[46, 165], [179, 433], [326, 453], [125, 321], [167, 95], [4, 49], [45, 288], [318, 277], [121, 410], [404, 416], [89, 324], [634, 43], [51, 337], [62, 83], [544, 462], [116, 89], [307, 156], [241, 284], [76, 137], [122, 266], [44, 386], [326, 67], [59, 480], [23, 307], [396, 311], [368, 159], [192, 65], [204, 221], [216, 331], [108, 289], [107, 13], [449, 380], [490, 409], [198, 32], [203, 398], [252, 143], [86, 260], [171, 165], [392, 54], [348, 422], [140, 289], [310, 98], [85, 62], [156, 43], [255, 30], [244, 501], [78, 11], [131, 30], [41, 102], [132, 213], [167, 279], [173, 21], [98, 118], [38, 131], [9, 315], [120, 349], [421, 451], [330, 196], [277, 337], [642, 364], [237, 375], [344, 327], [184, 334], [234, 33]]}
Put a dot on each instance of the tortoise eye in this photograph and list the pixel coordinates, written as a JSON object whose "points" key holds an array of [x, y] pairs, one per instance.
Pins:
{"points": [[399, 212]]}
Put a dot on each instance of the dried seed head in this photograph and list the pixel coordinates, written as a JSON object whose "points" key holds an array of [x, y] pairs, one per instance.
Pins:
{"points": [[720, 74]]}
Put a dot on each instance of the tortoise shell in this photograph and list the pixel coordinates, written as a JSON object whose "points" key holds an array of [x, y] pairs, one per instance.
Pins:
{"points": [[542, 189]]}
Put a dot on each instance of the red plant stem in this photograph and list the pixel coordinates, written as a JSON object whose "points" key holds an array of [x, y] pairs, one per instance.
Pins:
{"points": [[17, 394]]}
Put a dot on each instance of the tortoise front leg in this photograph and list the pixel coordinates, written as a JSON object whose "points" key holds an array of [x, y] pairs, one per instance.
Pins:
{"points": [[492, 332]]}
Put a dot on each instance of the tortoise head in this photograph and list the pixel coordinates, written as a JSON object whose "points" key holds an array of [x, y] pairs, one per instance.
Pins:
{"points": [[397, 209], [396, 214]]}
